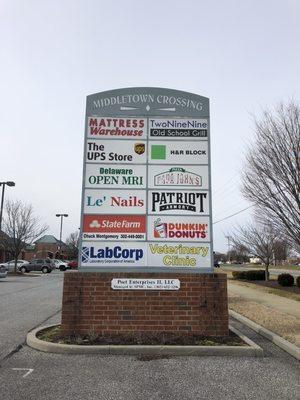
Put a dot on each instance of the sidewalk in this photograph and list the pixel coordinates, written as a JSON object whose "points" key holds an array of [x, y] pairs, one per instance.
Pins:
{"points": [[278, 314]]}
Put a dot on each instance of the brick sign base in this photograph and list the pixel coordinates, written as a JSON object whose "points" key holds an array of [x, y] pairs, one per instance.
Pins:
{"points": [[91, 305]]}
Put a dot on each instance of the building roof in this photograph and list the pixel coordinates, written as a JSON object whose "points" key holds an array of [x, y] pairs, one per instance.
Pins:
{"points": [[47, 239]]}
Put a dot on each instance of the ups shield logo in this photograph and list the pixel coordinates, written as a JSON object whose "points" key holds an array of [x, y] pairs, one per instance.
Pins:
{"points": [[139, 148]]}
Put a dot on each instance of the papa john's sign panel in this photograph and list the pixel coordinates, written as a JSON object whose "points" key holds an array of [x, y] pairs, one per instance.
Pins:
{"points": [[116, 151], [114, 227], [178, 228], [166, 152], [178, 177], [183, 255], [111, 254], [184, 202], [121, 176], [105, 201]]}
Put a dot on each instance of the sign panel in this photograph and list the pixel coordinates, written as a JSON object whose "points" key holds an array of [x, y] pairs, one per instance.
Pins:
{"points": [[145, 284], [114, 227], [116, 151], [104, 201], [115, 176], [178, 177], [178, 202], [111, 254], [183, 229], [178, 128], [146, 198], [183, 255], [117, 128], [174, 152]]}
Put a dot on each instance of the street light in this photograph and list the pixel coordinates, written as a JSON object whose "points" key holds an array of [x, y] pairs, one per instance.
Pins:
{"points": [[61, 222], [8, 183]]}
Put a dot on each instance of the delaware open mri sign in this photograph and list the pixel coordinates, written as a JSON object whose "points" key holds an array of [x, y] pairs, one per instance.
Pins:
{"points": [[146, 195]]}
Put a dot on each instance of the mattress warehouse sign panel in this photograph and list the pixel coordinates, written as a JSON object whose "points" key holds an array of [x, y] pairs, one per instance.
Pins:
{"points": [[146, 197]]}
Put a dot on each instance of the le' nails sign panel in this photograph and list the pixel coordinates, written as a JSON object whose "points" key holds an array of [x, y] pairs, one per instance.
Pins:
{"points": [[146, 192]]}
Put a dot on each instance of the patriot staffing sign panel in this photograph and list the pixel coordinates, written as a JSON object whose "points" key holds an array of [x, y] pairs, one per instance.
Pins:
{"points": [[146, 194]]}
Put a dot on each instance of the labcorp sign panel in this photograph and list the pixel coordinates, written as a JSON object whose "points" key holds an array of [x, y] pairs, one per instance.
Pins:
{"points": [[146, 192], [113, 254]]}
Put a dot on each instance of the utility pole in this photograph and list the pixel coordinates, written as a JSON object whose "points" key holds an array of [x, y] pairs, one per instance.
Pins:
{"points": [[8, 183], [228, 246], [61, 224]]}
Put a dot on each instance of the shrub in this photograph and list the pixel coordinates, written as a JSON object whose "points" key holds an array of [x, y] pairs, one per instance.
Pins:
{"points": [[298, 281], [252, 275], [285, 280]]}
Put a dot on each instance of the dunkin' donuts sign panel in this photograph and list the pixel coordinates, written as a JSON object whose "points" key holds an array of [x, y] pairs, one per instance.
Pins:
{"points": [[181, 228], [178, 177]]}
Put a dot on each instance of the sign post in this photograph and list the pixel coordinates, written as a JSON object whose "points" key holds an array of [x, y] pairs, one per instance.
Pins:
{"points": [[146, 250]]}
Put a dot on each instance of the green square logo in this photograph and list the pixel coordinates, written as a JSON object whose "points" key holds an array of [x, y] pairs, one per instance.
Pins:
{"points": [[158, 152]]}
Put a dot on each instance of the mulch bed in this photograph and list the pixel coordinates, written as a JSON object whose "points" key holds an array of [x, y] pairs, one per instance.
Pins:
{"points": [[52, 334]]}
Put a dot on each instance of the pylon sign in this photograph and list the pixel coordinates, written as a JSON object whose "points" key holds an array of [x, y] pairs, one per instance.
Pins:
{"points": [[146, 194]]}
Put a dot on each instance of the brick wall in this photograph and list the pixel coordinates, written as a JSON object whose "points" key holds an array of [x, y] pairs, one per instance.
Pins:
{"points": [[90, 305]]}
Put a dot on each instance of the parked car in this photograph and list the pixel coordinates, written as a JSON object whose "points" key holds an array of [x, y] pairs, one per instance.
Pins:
{"points": [[11, 264], [3, 271], [61, 265], [73, 264], [45, 265]]}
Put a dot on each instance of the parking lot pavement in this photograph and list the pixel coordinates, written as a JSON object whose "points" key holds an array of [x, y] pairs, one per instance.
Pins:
{"points": [[26, 302], [30, 374]]}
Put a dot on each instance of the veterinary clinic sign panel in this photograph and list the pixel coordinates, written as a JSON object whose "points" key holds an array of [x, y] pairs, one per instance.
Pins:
{"points": [[146, 195]]}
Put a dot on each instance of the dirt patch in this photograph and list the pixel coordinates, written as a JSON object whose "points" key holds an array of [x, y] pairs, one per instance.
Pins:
{"points": [[284, 325], [275, 285], [53, 334]]}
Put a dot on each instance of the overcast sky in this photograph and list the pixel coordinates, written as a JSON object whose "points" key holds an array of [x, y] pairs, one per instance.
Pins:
{"points": [[243, 55]]}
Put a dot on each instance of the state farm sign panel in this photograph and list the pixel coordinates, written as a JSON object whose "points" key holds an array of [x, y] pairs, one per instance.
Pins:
{"points": [[146, 193]]}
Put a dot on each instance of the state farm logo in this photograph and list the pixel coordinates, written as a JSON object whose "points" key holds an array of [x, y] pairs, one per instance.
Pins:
{"points": [[177, 177], [179, 230], [116, 127], [188, 201]]}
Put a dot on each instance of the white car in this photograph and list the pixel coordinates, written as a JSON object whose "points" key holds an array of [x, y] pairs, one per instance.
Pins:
{"points": [[61, 265], [10, 265], [3, 271]]}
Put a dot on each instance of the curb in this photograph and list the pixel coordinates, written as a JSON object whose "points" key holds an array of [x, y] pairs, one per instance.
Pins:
{"points": [[252, 350], [290, 348]]}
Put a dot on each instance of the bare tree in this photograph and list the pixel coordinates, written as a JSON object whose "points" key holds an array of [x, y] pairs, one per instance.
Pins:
{"points": [[271, 177], [72, 244], [21, 226], [257, 240]]}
